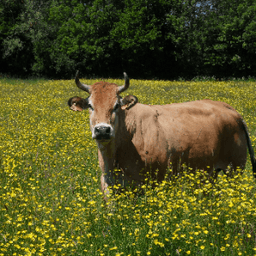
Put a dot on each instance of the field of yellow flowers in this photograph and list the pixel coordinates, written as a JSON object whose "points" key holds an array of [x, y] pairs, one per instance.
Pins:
{"points": [[50, 202]]}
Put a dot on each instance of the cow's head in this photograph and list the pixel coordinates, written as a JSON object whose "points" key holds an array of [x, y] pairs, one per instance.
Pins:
{"points": [[105, 105]]}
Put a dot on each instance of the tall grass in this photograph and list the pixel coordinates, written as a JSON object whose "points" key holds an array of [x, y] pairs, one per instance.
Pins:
{"points": [[50, 202]]}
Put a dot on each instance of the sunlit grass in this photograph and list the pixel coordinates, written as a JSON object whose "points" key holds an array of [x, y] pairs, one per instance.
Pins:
{"points": [[50, 202]]}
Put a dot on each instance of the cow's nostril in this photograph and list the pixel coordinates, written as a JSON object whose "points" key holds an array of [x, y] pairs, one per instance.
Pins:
{"points": [[108, 130]]}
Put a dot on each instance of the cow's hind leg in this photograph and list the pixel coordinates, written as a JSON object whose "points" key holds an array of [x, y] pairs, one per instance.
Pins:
{"points": [[214, 175], [232, 171], [233, 154]]}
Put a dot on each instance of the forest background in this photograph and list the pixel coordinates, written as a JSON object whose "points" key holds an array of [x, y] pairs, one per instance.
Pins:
{"points": [[152, 39]]}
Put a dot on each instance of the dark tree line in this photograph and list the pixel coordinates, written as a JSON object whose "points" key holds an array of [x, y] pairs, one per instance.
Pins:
{"points": [[163, 39]]}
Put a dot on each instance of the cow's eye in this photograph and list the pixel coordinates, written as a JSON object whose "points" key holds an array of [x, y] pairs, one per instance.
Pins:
{"points": [[90, 106], [116, 107]]}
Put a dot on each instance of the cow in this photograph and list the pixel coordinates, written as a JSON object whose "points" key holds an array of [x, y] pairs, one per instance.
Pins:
{"points": [[141, 139]]}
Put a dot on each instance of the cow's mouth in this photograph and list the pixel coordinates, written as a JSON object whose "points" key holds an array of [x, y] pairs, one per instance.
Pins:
{"points": [[103, 142], [103, 138]]}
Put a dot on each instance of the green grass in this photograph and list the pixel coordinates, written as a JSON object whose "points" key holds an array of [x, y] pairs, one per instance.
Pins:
{"points": [[50, 201]]}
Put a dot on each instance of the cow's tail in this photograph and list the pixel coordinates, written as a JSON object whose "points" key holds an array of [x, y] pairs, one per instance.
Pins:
{"points": [[251, 151]]}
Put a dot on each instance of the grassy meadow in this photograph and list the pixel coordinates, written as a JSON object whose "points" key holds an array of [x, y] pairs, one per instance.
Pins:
{"points": [[50, 201]]}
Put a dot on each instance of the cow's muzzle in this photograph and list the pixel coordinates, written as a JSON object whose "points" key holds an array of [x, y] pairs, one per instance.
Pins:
{"points": [[102, 132]]}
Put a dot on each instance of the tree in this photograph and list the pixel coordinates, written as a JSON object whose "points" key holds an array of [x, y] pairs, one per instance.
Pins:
{"points": [[12, 41], [231, 34], [163, 39]]}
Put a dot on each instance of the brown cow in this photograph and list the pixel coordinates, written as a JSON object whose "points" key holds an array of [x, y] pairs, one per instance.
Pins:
{"points": [[138, 138]]}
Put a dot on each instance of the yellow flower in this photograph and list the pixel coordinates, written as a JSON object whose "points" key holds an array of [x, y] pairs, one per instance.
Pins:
{"points": [[223, 248]]}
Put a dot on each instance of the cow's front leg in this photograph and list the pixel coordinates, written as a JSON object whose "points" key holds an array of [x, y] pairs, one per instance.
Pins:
{"points": [[107, 167], [107, 179]]}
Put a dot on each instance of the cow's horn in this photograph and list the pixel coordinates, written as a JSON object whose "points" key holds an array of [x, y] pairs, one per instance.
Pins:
{"points": [[126, 84], [81, 86]]}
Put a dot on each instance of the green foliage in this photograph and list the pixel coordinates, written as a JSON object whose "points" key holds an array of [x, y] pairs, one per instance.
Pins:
{"points": [[12, 42], [152, 39], [231, 33]]}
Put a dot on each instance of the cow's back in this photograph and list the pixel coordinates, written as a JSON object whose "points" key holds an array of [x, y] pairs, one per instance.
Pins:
{"points": [[201, 134]]}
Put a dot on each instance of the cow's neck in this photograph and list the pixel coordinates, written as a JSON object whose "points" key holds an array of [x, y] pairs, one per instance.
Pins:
{"points": [[106, 154]]}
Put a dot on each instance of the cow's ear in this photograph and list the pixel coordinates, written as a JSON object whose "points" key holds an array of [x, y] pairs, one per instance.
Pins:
{"points": [[128, 101], [77, 103]]}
